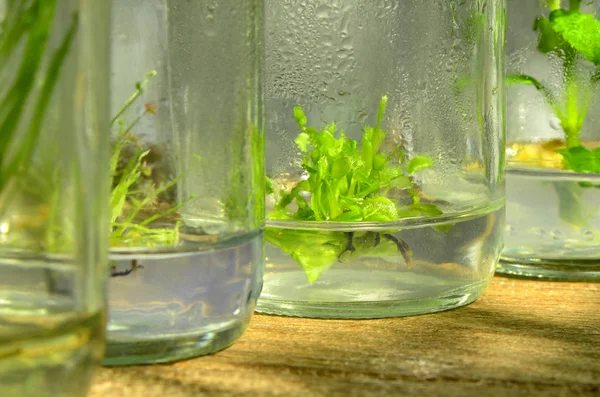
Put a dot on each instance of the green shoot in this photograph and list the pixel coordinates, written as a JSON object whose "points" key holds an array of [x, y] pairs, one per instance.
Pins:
{"points": [[346, 184], [572, 36], [135, 198]]}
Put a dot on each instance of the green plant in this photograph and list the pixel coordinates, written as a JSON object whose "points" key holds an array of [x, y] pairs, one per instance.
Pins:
{"points": [[346, 184], [572, 36], [24, 34], [133, 203]]}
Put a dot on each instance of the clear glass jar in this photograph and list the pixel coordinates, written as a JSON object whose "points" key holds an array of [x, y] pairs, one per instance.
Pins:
{"points": [[402, 213], [54, 60], [553, 223], [188, 178]]}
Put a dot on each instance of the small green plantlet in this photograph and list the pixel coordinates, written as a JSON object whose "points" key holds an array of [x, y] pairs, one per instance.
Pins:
{"points": [[134, 203], [346, 183], [572, 36]]}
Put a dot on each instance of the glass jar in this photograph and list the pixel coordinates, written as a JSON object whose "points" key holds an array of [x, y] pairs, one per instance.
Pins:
{"points": [[53, 183], [384, 155], [188, 179], [553, 175]]}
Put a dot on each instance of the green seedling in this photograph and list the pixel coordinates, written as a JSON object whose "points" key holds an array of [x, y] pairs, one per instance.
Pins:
{"points": [[573, 37], [346, 183], [132, 201]]}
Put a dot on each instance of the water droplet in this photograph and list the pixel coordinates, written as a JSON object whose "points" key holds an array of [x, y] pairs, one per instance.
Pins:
{"points": [[510, 230], [555, 124], [322, 12], [588, 235], [538, 231], [557, 234]]}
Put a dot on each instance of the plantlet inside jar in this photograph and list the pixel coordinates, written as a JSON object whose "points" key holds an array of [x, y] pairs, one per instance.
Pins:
{"points": [[346, 183], [138, 200], [573, 36]]}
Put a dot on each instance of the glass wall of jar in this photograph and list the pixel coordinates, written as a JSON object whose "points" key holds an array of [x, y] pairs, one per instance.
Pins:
{"points": [[54, 115], [553, 155], [384, 155], [187, 177]]}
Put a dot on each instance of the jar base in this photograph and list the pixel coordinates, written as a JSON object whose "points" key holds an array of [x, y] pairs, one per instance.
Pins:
{"points": [[171, 349], [374, 309], [550, 269]]}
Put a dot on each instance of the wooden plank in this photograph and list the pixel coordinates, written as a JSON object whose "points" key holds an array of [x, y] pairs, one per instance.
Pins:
{"points": [[523, 338]]}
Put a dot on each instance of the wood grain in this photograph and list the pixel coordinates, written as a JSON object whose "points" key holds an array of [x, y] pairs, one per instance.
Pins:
{"points": [[523, 338]]}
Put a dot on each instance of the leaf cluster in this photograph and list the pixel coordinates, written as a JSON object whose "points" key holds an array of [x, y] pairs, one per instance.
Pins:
{"points": [[346, 183], [130, 200], [565, 31]]}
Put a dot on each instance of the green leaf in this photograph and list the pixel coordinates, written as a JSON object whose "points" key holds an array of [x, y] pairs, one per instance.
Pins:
{"points": [[444, 228], [350, 216], [328, 144], [581, 31], [570, 208], [393, 177], [34, 22], [379, 209], [304, 214], [268, 186], [419, 163], [302, 142], [379, 161], [300, 116], [121, 191], [341, 166], [581, 159], [381, 110], [315, 251], [416, 210], [367, 156], [315, 259], [428, 209], [548, 39]]}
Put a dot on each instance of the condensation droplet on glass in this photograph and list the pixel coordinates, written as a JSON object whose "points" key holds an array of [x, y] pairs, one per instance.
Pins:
{"points": [[557, 234], [538, 231], [588, 235], [322, 12], [555, 123], [210, 12], [509, 229]]}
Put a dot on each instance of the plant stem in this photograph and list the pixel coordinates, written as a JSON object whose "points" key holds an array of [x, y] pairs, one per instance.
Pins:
{"points": [[546, 93], [574, 5], [571, 122], [553, 4], [138, 91]]}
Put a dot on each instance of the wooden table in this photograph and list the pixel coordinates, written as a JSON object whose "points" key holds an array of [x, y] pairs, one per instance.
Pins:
{"points": [[523, 338]]}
